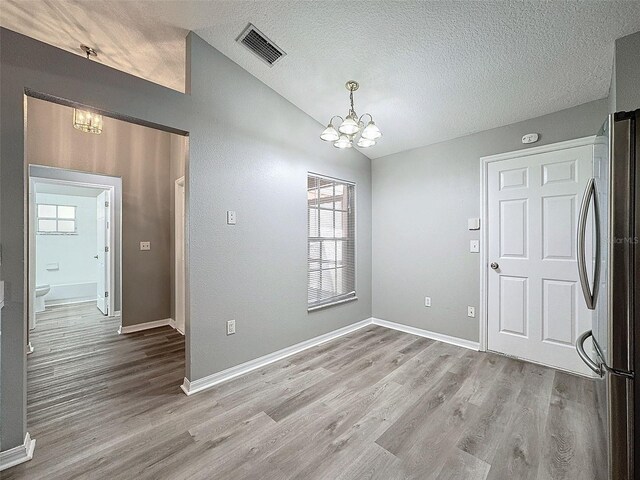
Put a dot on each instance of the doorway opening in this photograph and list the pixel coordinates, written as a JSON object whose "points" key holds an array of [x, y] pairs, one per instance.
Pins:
{"points": [[74, 241], [107, 320], [531, 307]]}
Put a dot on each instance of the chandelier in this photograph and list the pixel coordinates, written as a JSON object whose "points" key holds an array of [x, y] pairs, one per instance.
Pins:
{"points": [[352, 127], [83, 120], [88, 122]]}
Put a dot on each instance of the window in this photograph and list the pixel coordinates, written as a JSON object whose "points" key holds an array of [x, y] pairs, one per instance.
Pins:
{"points": [[56, 219], [331, 241]]}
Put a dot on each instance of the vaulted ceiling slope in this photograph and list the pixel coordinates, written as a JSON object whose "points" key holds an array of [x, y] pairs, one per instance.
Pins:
{"points": [[428, 71], [126, 36]]}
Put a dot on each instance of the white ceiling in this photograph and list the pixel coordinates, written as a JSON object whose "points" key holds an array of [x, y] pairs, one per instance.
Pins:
{"points": [[429, 71]]}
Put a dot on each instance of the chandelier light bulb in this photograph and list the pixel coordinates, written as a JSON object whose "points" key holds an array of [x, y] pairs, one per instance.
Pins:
{"points": [[371, 131], [350, 125], [366, 142], [330, 134], [343, 142]]}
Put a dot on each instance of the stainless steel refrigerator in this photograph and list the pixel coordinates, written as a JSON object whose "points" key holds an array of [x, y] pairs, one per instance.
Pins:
{"points": [[610, 280]]}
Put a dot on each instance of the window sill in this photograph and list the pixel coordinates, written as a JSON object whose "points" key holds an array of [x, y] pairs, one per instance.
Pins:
{"points": [[332, 304]]}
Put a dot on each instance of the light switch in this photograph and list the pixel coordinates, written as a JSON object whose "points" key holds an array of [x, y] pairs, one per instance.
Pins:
{"points": [[231, 327], [231, 217], [474, 224], [145, 245], [474, 246]]}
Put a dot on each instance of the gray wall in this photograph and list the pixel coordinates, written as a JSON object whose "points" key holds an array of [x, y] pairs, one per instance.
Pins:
{"points": [[249, 151], [139, 155], [626, 83], [422, 199]]}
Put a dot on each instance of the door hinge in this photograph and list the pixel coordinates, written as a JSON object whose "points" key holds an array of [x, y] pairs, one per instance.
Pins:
{"points": [[106, 294], [106, 203], [106, 249]]}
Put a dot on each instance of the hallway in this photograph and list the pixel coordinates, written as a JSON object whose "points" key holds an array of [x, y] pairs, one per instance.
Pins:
{"points": [[88, 386]]}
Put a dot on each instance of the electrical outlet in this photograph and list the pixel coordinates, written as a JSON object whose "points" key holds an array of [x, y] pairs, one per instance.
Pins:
{"points": [[231, 217], [427, 301], [145, 245], [231, 327], [471, 312]]}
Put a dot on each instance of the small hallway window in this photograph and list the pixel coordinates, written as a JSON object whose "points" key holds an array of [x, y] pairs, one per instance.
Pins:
{"points": [[56, 219], [331, 241]]}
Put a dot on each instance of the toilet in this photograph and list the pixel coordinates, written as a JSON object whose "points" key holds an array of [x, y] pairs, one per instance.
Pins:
{"points": [[41, 291]]}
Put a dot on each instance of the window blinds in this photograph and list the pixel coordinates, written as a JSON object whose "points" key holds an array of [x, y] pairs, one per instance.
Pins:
{"points": [[331, 241]]}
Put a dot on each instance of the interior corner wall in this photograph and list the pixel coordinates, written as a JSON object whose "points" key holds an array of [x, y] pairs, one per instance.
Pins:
{"points": [[255, 271], [422, 199], [612, 88], [140, 156], [626, 83]]}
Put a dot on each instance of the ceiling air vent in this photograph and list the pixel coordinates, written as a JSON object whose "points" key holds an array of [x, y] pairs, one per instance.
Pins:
{"points": [[259, 44]]}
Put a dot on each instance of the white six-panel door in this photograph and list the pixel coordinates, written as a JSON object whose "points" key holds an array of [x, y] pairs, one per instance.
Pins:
{"points": [[535, 308]]}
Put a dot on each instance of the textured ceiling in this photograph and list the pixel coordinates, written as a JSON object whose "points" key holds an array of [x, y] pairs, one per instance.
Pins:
{"points": [[429, 71], [124, 34]]}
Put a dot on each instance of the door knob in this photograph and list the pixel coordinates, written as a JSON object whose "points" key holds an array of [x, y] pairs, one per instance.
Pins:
{"points": [[494, 265], [95, 256]]}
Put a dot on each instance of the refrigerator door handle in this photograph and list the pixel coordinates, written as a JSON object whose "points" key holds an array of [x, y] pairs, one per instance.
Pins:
{"points": [[588, 292], [606, 368], [583, 355]]}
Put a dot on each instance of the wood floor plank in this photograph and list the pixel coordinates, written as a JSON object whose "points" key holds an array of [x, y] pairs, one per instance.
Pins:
{"points": [[373, 404], [463, 465], [495, 413]]}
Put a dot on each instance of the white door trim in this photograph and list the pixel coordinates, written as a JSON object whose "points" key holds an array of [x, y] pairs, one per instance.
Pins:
{"points": [[40, 179], [484, 214], [179, 243]]}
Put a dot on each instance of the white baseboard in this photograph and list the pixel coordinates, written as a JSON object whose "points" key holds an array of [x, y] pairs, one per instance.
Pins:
{"points": [[145, 326], [191, 387], [173, 325], [58, 303], [17, 455], [460, 342], [70, 293], [195, 386]]}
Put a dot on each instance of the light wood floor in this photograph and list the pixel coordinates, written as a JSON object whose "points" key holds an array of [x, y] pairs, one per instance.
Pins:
{"points": [[373, 404]]}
